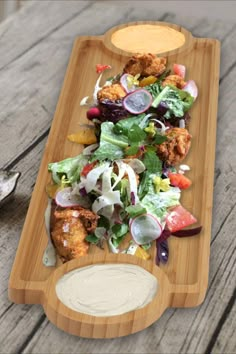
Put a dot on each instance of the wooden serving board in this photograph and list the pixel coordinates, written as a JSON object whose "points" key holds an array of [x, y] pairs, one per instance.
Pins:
{"points": [[183, 280]]}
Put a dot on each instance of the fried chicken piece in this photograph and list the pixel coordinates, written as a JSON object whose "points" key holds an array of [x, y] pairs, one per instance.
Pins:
{"points": [[68, 236], [176, 147], [174, 80], [70, 228], [88, 218], [113, 92], [145, 65]]}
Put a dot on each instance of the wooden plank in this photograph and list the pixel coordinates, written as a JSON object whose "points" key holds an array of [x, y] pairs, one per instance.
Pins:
{"points": [[28, 99], [33, 96], [28, 106], [17, 322], [204, 28], [225, 342], [33, 24]]}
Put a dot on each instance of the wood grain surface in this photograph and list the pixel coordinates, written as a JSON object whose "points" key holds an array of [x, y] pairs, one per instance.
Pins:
{"points": [[28, 105]]}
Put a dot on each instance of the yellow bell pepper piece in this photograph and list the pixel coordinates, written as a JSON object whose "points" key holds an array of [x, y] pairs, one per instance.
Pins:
{"points": [[85, 136], [137, 251], [52, 189], [147, 81], [141, 253]]}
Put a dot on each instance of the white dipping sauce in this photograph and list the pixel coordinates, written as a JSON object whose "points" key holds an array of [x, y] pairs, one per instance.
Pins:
{"points": [[106, 289]]}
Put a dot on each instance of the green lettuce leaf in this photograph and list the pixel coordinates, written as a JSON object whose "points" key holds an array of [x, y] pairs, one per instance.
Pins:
{"points": [[158, 203], [70, 168], [135, 210], [178, 101], [152, 162], [111, 145], [123, 126], [119, 231]]}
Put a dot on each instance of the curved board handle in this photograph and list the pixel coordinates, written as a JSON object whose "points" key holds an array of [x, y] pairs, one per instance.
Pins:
{"points": [[105, 327], [148, 37]]}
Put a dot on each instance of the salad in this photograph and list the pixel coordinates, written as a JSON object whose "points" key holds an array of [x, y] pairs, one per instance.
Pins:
{"points": [[124, 189]]}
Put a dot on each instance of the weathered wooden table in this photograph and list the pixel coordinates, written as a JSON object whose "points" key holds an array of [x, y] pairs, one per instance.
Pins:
{"points": [[35, 45]]}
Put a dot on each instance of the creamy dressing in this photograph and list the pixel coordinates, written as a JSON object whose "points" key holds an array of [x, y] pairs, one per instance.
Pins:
{"points": [[107, 289], [147, 39]]}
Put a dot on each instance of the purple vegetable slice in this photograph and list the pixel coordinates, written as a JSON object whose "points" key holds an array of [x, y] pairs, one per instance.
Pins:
{"points": [[138, 101], [162, 253], [188, 232]]}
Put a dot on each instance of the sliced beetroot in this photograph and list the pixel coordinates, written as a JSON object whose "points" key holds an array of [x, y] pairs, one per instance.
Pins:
{"points": [[138, 101], [188, 232], [126, 82], [191, 88]]}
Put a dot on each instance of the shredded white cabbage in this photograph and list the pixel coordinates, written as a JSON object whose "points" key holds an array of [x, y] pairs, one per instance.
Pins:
{"points": [[97, 88], [108, 198], [89, 183], [106, 180], [89, 149], [163, 127], [133, 186], [122, 168], [136, 164], [84, 101], [107, 211]]}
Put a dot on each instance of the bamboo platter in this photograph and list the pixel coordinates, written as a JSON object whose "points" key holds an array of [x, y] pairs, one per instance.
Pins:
{"points": [[183, 280]]}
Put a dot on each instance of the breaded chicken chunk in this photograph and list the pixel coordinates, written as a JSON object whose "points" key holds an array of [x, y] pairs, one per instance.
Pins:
{"points": [[145, 65], [174, 80], [113, 92], [70, 228], [176, 147]]}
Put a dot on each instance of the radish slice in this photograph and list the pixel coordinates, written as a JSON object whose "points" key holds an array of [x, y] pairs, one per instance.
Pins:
{"points": [[145, 228], [65, 198], [126, 82], [191, 88], [179, 70], [138, 101]]}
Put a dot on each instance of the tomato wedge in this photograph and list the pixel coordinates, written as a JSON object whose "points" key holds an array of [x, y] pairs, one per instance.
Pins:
{"points": [[179, 70], [178, 218], [101, 67], [179, 180], [87, 168]]}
